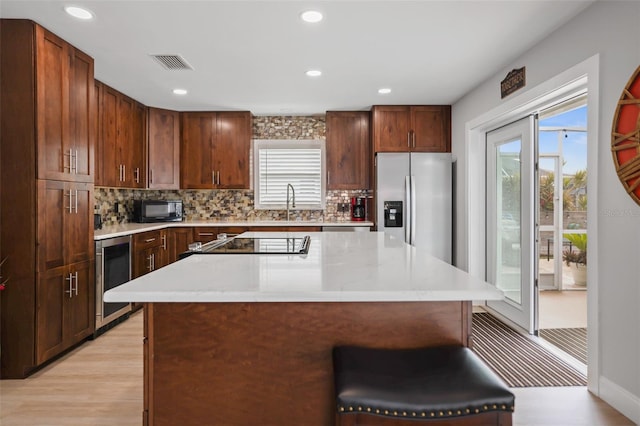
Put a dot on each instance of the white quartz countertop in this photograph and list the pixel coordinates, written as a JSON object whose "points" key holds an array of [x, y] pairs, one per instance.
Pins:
{"points": [[134, 228], [340, 267]]}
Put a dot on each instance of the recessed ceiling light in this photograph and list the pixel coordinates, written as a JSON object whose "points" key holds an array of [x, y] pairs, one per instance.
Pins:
{"points": [[311, 16], [314, 73], [179, 92], [384, 91], [79, 12]]}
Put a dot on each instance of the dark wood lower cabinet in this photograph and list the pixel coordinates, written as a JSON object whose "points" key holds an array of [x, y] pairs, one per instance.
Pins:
{"points": [[178, 241], [65, 308], [204, 234], [150, 252], [285, 229]]}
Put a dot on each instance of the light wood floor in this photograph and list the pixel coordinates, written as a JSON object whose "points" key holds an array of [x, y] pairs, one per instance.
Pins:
{"points": [[100, 384]]}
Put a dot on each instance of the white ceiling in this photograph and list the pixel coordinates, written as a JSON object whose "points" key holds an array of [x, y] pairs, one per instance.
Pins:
{"points": [[252, 55]]}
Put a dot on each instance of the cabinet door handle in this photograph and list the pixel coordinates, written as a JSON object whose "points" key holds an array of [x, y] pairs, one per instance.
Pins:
{"points": [[164, 241], [75, 278], [69, 167], [136, 175], [151, 176], [70, 206], [76, 201], [408, 139], [413, 138], [218, 177], [150, 266], [120, 173], [153, 261], [328, 177], [76, 162], [70, 291], [213, 177], [149, 240], [124, 172]]}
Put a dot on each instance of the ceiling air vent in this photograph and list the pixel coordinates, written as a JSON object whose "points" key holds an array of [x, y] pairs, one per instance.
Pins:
{"points": [[172, 62]]}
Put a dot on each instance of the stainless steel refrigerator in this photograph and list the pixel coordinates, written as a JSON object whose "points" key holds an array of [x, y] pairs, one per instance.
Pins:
{"points": [[414, 199]]}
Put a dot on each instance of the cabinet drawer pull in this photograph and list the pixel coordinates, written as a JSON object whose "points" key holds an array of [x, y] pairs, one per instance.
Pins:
{"points": [[149, 240], [205, 234]]}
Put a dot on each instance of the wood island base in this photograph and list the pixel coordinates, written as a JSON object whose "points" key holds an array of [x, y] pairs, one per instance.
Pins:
{"points": [[269, 363]]}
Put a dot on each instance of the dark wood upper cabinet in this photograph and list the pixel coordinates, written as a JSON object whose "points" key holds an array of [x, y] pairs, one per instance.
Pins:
{"points": [[163, 149], [214, 150], [66, 109], [121, 140], [403, 128], [348, 150], [431, 128], [231, 150], [196, 143]]}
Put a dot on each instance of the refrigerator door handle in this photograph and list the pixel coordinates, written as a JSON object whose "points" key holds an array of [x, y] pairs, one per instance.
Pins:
{"points": [[413, 211], [407, 208]]}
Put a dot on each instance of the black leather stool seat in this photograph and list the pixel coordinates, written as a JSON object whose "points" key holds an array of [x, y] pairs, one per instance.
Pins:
{"points": [[426, 383]]}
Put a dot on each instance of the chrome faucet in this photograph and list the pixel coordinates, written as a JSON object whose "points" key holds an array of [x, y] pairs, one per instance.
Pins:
{"points": [[293, 199]]}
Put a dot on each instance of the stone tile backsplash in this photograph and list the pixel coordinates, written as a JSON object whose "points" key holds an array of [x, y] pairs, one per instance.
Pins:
{"points": [[115, 205]]}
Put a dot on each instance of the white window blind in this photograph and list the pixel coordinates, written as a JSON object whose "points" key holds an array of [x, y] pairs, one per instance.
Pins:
{"points": [[299, 163]]}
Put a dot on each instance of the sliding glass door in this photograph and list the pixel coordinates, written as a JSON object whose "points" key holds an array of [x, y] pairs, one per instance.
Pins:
{"points": [[510, 220]]}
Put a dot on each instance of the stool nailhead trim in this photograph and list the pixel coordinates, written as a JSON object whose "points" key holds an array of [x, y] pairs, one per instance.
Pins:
{"points": [[448, 413]]}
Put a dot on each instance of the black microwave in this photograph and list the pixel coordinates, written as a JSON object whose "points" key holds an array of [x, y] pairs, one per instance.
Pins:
{"points": [[146, 211]]}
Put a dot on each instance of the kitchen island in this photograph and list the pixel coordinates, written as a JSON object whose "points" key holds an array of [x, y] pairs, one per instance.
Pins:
{"points": [[241, 339]]}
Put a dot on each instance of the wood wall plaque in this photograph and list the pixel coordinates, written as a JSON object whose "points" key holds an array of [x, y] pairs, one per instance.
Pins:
{"points": [[515, 80], [625, 137]]}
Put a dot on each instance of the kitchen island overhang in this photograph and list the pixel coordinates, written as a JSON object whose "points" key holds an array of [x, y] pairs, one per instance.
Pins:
{"points": [[340, 267], [247, 339]]}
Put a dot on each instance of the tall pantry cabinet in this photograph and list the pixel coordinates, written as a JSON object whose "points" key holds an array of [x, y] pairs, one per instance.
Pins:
{"points": [[47, 128]]}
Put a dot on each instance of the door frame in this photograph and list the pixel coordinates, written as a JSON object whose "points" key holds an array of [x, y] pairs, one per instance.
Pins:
{"points": [[581, 77]]}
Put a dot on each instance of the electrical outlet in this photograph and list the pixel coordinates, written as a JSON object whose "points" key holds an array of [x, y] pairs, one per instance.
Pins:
{"points": [[343, 207]]}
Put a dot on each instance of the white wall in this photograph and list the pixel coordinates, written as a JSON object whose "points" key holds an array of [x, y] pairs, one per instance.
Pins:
{"points": [[611, 30]]}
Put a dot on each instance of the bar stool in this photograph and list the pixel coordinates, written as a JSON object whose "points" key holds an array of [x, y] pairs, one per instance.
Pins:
{"points": [[445, 385]]}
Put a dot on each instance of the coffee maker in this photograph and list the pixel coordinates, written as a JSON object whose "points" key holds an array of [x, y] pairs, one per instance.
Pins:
{"points": [[358, 208]]}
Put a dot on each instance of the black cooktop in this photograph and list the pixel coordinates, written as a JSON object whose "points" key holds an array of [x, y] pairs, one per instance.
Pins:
{"points": [[261, 245]]}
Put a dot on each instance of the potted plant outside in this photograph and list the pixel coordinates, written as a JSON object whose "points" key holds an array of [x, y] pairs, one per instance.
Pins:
{"points": [[577, 260]]}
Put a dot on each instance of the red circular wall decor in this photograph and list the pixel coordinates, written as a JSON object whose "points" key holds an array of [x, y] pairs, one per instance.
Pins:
{"points": [[625, 137]]}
